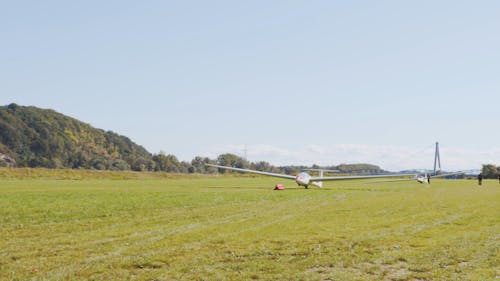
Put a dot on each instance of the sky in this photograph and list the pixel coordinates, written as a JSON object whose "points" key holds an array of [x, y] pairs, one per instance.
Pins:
{"points": [[288, 82]]}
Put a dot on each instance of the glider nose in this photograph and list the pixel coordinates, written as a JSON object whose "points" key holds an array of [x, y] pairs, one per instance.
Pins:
{"points": [[302, 180]]}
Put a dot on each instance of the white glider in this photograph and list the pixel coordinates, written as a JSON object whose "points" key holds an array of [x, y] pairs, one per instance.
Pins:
{"points": [[304, 179], [422, 178]]}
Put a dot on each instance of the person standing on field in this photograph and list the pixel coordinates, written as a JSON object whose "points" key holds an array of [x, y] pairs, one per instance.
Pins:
{"points": [[480, 179]]}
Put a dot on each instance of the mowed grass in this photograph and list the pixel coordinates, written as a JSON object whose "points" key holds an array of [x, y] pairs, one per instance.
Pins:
{"points": [[231, 228]]}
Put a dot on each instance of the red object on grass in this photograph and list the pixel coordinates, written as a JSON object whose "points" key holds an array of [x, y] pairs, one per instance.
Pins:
{"points": [[279, 187]]}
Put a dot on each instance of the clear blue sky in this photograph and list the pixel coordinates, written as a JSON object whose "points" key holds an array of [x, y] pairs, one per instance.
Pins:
{"points": [[298, 82]]}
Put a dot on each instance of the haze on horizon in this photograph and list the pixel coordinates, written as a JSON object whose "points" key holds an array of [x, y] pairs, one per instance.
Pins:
{"points": [[299, 83]]}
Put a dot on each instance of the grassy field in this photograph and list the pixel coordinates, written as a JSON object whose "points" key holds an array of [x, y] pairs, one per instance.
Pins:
{"points": [[238, 228]]}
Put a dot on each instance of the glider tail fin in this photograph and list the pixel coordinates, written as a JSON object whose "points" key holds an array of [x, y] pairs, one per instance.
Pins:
{"points": [[317, 183]]}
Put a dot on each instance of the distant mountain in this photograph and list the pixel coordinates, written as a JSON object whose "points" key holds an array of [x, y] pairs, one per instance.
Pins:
{"points": [[34, 137]]}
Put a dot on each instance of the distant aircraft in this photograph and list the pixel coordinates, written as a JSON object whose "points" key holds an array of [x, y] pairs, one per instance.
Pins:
{"points": [[425, 178], [304, 179]]}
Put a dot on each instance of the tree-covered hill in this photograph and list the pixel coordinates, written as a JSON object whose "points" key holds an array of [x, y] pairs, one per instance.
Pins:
{"points": [[34, 137]]}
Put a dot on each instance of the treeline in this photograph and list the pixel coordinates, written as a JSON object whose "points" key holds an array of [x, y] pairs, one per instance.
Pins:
{"points": [[33, 137], [490, 171], [170, 163]]}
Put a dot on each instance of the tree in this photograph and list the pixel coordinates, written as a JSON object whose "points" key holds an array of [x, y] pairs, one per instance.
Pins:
{"points": [[167, 163], [263, 166], [231, 160], [119, 165], [490, 171], [290, 170], [359, 168], [198, 165], [185, 167], [12, 106]]}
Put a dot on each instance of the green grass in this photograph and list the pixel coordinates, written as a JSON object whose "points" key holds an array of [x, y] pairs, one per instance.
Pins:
{"points": [[232, 228]]}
